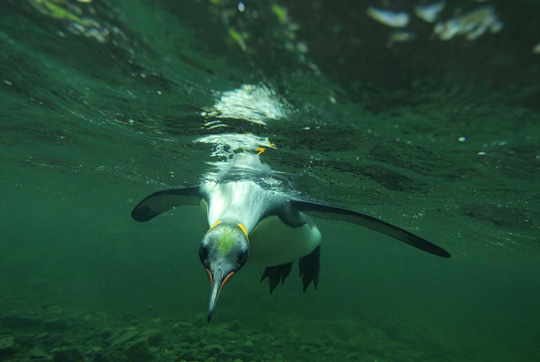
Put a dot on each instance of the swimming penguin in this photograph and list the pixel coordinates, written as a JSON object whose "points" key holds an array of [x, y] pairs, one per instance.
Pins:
{"points": [[272, 229]]}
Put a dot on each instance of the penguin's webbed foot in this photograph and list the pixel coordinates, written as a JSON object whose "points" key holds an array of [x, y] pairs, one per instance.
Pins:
{"points": [[275, 274], [309, 268]]}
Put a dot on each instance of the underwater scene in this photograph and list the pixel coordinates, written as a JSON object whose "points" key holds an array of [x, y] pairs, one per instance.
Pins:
{"points": [[363, 175]]}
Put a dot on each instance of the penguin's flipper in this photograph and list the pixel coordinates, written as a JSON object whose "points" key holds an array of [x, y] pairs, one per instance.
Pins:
{"points": [[370, 222], [162, 201], [309, 268], [275, 274]]}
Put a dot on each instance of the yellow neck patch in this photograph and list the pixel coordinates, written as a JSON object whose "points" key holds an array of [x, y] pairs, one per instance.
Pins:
{"points": [[243, 228], [215, 224]]}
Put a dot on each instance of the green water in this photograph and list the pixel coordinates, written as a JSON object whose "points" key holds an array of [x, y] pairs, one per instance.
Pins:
{"points": [[101, 105]]}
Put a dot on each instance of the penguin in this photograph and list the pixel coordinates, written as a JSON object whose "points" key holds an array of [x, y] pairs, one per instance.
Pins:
{"points": [[247, 219]]}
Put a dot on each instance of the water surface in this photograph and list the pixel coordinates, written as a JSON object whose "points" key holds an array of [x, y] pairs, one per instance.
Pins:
{"points": [[105, 102]]}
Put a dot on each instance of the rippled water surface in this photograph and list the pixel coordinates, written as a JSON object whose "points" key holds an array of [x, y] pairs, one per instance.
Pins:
{"points": [[433, 126]]}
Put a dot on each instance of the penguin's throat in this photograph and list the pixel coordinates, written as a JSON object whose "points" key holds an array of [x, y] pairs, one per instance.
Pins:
{"points": [[225, 243], [232, 223], [227, 236]]}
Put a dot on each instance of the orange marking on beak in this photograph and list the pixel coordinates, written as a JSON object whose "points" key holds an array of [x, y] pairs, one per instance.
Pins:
{"points": [[209, 275], [226, 280]]}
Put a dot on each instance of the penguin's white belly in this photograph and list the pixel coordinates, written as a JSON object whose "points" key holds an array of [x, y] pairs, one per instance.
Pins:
{"points": [[274, 243], [242, 201]]}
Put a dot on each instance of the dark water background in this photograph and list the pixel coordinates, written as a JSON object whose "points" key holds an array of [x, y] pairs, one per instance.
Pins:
{"points": [[95, 115]]}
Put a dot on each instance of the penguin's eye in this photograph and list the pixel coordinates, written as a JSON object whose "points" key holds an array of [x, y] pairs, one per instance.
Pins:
{"points": [[203, 253], [242, 258]]}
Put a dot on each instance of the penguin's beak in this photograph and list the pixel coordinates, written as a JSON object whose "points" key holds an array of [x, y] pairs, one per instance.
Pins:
{"points": [[218, 279]]}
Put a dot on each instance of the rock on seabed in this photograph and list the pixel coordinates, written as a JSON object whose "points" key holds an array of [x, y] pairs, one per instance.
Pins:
{"points": [[67, 355], [7, 345], [139, 351]]}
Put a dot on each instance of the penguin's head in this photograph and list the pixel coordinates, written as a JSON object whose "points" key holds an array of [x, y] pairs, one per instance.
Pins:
{"points": [[224, 250]]}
